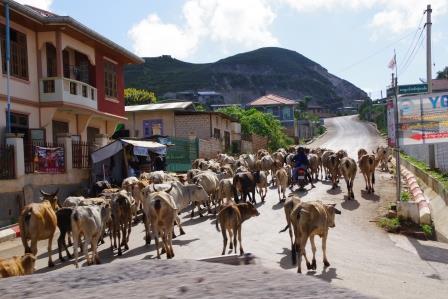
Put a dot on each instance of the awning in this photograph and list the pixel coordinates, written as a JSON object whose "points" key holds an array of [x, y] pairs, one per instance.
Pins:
{"points": [[140, 147]]}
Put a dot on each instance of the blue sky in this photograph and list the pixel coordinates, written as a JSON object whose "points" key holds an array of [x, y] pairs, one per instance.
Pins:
{"points": [[353, 39]]}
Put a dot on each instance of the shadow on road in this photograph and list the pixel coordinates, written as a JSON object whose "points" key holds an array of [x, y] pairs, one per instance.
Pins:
{"points": [[369, 196], [335, 191], [328, 274], [197, 219], [285, 262], [299, 192], [183, 242], [277, 206], [429, 253], [349, 204]]}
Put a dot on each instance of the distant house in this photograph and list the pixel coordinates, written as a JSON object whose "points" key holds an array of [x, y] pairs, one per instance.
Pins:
{"points": [[179, 119], [202, 97], [282, 108], [319, 111]]}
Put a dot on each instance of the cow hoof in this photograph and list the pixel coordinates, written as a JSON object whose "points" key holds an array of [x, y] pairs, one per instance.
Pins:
{"points": [[61, 259], [309, 266], [241, 252], [326, 264], [148, 240], [200, 215], [120, 253], [69, 256], [313, 265], [182, 232], [163, 251], [126, 247], [50, 264], [299, 271]]}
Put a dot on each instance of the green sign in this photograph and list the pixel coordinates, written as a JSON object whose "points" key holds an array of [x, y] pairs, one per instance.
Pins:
{"points": [[412, 88]]}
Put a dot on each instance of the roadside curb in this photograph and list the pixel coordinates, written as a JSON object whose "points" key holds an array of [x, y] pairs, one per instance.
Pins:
{"points": [[422, 202], [317, 137], [9, 233]]}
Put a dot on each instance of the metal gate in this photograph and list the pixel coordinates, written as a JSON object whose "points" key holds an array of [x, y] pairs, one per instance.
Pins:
{"points": [[182, 154]]}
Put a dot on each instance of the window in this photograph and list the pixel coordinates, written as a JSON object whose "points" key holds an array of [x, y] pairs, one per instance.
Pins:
{"points": [[110, 79], [287, 113], [51, 60], [59, 127], [19, 53], [216, 133]]}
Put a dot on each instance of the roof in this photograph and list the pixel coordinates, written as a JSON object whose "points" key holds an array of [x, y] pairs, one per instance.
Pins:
{"points": [[272, 99], [114, 147], [159, 106], [223, 115], [48, 18]]}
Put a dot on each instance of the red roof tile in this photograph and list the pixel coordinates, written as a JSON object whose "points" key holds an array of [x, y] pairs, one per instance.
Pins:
{"points": [[272, 99]]}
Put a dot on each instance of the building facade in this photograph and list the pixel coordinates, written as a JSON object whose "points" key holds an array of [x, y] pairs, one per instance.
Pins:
{"points": [[65, 78]]}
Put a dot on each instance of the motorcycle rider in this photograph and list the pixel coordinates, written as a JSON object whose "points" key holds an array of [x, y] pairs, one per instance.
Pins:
{"points": [[301, 160]]}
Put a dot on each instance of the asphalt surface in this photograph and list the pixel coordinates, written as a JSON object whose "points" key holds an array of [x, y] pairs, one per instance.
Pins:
{"points": [[363, 257]]}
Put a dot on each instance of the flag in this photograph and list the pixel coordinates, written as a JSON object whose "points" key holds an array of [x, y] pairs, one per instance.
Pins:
{"points": [[392, 62]]}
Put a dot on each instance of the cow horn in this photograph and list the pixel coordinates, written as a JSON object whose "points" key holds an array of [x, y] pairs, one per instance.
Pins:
{"points": [[169, 190], [44, 193], [55, 193], [154, 187]]}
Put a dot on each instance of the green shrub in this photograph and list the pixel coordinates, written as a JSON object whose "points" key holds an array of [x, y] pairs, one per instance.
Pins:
{"points": [[405, 196], [427, 230], [391, 225]]}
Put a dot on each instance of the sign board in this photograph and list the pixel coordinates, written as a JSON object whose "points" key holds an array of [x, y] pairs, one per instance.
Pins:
{"points": [[408, 89], [50, 160], [423, 119], [412, 88], [390, 124]]}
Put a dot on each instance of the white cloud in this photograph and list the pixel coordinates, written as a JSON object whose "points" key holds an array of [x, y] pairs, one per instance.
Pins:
{"points": [[227, 23], [42, 4], [394, 16]]}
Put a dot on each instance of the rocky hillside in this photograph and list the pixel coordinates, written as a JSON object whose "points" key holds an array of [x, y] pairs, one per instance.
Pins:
{"points": [[244, 77]]}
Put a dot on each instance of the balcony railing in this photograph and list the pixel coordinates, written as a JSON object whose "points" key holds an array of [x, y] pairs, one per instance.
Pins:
{"points": [[55, 89]]}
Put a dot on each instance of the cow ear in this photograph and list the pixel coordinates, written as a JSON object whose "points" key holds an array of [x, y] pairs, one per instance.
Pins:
{"points": [[336, 211]]}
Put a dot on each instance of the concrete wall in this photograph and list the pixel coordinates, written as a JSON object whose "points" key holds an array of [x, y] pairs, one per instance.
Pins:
{"points": [[31, 111], [209, 148], [197, 125], [135, 122]]}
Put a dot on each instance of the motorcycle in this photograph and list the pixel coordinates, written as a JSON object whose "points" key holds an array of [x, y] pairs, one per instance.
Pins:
{"points": [[301, 181]]}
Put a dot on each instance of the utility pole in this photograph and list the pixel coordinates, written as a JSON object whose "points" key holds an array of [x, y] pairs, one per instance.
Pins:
{"points": [[8, 69], [431, 148]]}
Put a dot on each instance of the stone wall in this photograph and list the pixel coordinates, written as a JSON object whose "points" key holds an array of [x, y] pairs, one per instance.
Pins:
{"points": [[209, 148], [193, 124]]}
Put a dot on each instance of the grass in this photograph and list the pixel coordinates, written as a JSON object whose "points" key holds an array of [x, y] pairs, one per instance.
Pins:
{"points": [[405, 196], [436, 174], [391, 225]]}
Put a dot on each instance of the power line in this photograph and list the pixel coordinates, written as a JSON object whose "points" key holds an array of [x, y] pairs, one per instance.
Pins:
{"points": [[374, 53], [413, 38], [413, 53]]}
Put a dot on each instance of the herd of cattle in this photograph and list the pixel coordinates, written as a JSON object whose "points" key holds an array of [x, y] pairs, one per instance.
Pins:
{"points": [[220, 185]]}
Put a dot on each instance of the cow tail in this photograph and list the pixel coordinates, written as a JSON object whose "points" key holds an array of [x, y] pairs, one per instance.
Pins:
{"points": [[373, 177], [26, 222], [76, 216], [216, 223], [347, 164], [283, 230], [158, 205]]}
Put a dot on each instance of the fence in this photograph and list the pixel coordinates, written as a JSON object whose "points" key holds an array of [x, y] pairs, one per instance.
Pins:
{"points": [[81, 154], [421, 152], [7, 162], [181, 155], [50, 159]]}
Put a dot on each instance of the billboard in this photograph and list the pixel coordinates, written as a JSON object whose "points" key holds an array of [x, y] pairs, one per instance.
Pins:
{"points": [[423, 119], [390, 124]]}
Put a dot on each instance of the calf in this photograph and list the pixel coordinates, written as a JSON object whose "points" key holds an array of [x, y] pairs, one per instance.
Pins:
{"points": [[17, 266], [281, 176], [90, 222], [383, 155], [348, 169], [361, 152], [38, 222], [333, 167], [230, 218], [225, 191], [262, 185], [310, 219], [245, 183], [121, 213], [314, 166], [63, 216]]}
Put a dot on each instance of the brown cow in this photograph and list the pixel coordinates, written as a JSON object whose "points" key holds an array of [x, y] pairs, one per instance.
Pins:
{"points": [[281, 176], [231, 218], [291, 203], [38, 222], [121, 212], [17, 266], [310, 219], [367, 165], [361, 152], [245, 183], [348, 169], [333, 167]]}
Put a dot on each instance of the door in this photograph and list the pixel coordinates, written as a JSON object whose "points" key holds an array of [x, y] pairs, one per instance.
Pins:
{"points": [[227, 141]]}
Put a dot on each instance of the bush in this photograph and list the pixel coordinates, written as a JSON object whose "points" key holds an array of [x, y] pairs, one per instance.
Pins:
{"points": [[427, 230], [134, 96], [391, 225], [405, 196]]}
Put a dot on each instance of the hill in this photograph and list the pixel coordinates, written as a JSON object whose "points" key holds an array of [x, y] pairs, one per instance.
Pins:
{"points": [[246, 76]]}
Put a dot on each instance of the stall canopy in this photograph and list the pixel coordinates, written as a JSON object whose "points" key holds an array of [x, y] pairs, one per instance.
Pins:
{"points": [[141, 148]]}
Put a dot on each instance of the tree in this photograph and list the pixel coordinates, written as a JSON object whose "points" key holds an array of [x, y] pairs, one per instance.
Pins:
{"points": [[134, 96], [443, 74], [263, 124]]}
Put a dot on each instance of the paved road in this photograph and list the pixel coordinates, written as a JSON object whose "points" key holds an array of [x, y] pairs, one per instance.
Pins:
{"points": [[362, 257]]}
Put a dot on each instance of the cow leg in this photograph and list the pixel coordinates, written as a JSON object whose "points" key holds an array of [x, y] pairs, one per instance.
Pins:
{"points": [[95, 256], [324, 250], [239, 239], [147, 233], [170, 244], [278, 191], [75, 250], [303, 240], [50, 260], [156, 238], [224, 239], [118, 229], [231, 240], [86, 251], [253, 196], [61, 239], [313, 248], [348, 187], [199, 209]]}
